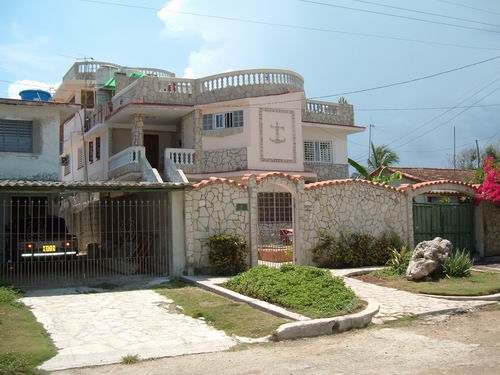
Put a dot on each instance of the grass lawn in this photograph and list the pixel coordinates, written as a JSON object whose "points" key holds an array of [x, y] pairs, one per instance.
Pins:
{"points": [[478, 284], [225, 314], [310, 291], [24, 344]]}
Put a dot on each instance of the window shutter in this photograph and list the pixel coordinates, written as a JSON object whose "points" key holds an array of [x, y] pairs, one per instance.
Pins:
{"points": [[16, 136]]}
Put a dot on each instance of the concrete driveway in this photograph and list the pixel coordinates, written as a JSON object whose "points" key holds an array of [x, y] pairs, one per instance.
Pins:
{"points": [[100, 328]]}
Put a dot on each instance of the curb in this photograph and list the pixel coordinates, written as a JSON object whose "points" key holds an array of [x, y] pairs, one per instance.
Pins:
{"points": [[488, 297], [327, 326], [258, 304]]}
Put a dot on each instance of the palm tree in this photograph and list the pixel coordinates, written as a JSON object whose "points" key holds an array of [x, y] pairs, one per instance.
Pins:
{"points": [[382, 156], [381, 177]]}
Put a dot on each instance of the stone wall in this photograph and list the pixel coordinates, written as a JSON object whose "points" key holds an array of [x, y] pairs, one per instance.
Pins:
{"points": [[328, 171], [491, 222], [211, 208], [226, 160], [352, 205]]}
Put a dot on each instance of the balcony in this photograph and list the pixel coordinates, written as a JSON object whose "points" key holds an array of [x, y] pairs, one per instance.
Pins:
{"points": [[220, 87], [328, 113], [86, 70]]}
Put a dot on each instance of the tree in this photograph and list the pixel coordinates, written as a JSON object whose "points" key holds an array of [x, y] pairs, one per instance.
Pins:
{"points": [[489, 190], [467, 157], [382, 156], [381, 177]]}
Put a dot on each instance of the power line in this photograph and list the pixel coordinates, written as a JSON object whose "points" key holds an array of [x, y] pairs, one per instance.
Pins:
{"points": [[424, 108], [419, 127], [426, 13], [468, 7], [398, 16], [296, 27]]}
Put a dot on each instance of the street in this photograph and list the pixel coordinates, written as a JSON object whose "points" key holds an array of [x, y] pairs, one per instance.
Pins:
{"points": [[460, 344]]}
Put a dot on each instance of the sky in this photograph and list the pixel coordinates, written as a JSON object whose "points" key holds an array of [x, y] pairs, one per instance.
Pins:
{"points": [[331, 44]]}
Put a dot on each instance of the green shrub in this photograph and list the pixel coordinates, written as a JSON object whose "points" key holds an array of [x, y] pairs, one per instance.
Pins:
{"points": [[354, 249], [17, 364], [9, 296], [307, 290], [458, 264], [399, 259], [228, 254]]}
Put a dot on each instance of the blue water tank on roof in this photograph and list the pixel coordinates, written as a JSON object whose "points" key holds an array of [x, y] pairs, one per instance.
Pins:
{"points": [[35, 95]]}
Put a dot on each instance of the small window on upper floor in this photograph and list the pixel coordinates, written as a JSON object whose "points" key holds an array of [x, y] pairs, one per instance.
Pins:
{"points": [[224, 120], [81, 157], [318, 151], [98, 148], [16, 136]]}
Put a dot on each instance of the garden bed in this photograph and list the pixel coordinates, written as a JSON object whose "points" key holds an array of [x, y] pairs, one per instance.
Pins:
{"points": [[478, 284], [235, 318], [309, 291]]}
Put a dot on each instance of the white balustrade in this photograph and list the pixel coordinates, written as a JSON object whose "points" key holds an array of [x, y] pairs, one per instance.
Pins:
{"points": [[180, 156], [131, 155], [314, 106]]}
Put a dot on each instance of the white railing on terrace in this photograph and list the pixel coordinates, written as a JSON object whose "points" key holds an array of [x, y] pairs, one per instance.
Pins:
{"points": [[87, 69], [250, 77], [176, 85], [326, 108], [131, 155], [180, 156]]}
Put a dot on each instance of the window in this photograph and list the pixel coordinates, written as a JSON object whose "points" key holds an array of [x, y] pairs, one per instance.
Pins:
{"points": [[16, 136], [66, 165], [274, 207], [318, 151], [223, 120], [91, 152], [81, 158], [98, 148]]}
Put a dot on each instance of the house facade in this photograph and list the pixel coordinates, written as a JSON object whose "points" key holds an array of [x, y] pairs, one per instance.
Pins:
{"points": [[145, 124], [29, 146]]}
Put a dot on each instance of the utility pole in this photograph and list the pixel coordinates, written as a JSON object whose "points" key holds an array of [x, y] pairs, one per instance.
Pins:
{"points": [[370, 142], [454, 149], [478, 155]]}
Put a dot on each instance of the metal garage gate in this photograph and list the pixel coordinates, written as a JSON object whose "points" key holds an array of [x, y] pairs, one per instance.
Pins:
{"points": [[453, 221], [49, 240]]}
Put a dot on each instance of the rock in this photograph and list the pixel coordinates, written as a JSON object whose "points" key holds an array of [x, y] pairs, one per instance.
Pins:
{"points": [[427, 257]]}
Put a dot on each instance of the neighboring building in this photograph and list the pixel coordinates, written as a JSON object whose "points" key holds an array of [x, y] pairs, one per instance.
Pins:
{"points": [[145, 124], [29, 138], [416, 175]]}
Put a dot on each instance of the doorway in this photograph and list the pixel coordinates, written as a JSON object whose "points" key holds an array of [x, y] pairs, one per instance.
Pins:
{"points": [[152, 145]]}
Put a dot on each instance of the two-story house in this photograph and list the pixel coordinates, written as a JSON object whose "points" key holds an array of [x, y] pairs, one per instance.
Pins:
{"points": [[146, 124]]}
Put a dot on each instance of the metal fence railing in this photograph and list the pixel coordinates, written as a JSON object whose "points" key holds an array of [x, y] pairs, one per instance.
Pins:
{"points": [[81, 238]]}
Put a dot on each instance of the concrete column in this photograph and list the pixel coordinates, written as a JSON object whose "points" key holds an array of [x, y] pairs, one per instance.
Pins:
{"points": [[138, 130], [198, 146], [178, 240], [253, 218], [479, 228]]}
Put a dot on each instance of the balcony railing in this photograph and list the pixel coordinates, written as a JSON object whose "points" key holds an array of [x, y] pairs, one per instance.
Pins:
{"points": [[328, 113], [82, 70], [180, 156], [128, 160]]}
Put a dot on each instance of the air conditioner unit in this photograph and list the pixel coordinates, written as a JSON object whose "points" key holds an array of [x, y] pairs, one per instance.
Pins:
{"points": [[65, 160]]}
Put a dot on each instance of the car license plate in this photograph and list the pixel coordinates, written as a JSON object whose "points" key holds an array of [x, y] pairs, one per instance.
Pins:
{"points": [[48, 248]]}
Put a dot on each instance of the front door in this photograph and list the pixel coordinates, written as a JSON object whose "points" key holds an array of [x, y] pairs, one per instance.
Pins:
{"points": [[152, 145]]}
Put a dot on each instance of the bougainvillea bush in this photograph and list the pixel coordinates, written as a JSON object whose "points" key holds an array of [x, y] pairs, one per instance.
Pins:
{"points": [[489, 190]]}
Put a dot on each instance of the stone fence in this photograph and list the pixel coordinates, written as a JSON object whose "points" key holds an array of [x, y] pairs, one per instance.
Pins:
{"points": [[221, 205]]}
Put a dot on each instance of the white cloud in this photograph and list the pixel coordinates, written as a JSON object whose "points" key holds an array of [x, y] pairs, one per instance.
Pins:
{"points": [[24, 84]]}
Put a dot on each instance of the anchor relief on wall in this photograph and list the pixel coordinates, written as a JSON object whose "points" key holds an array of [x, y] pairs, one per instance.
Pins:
{"points": [[277, 139]]}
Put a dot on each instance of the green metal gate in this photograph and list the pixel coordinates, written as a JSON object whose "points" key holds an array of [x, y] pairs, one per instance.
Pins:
{"points": [[452, 221]]}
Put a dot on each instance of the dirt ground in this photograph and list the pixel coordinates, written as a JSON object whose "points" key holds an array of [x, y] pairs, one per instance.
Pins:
{"points": [[459, 344]]}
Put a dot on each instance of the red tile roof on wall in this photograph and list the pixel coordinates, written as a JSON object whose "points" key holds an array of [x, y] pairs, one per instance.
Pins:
{"points": [[431, 174]]}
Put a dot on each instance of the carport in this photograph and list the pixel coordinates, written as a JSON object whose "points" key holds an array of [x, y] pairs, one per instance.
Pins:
{"points": [[56, 234]]}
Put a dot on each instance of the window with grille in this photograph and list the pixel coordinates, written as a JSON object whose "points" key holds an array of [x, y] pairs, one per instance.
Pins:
{"points": [[66, 165], [318, 151], [81, 157], [16, 136], [225, 120], [274, 207], [91, 152], [98, 148]]}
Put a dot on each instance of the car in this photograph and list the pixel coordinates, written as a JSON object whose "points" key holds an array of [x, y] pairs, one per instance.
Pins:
{"points": [[40, 238]]}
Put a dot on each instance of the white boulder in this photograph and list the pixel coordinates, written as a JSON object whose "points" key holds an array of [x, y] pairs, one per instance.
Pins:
{"points": [[427, 257]]}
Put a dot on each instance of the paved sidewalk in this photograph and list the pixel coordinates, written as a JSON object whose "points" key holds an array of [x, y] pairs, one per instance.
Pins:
{"points": [[101, 328], [395, 304]]}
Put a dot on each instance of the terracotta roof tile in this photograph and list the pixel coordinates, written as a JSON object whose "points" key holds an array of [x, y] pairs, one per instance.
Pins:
{"points": [[432, 174]]}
